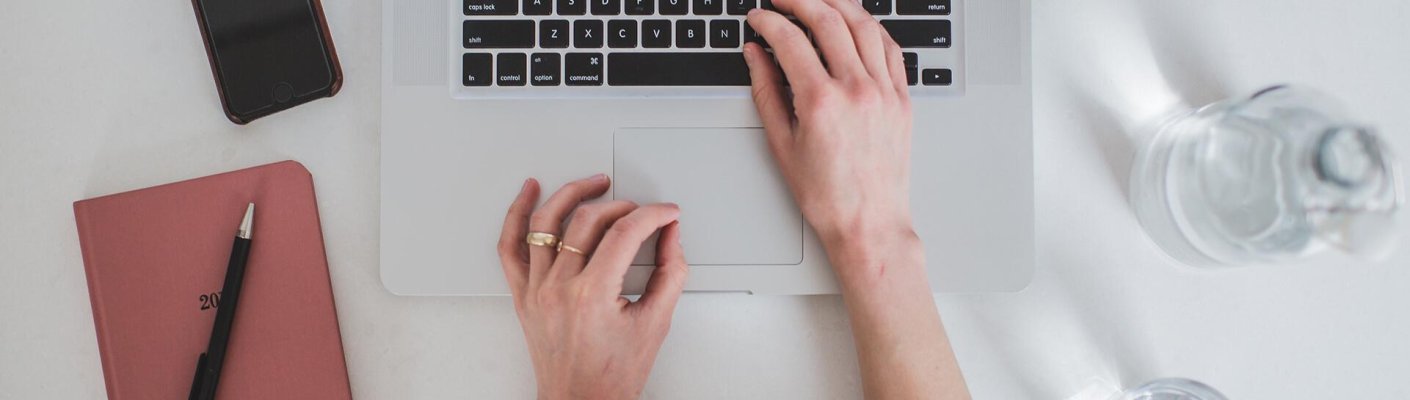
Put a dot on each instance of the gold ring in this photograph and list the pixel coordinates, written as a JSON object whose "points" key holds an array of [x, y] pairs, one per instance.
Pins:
{"points": [[562, 246], [542, 239]]}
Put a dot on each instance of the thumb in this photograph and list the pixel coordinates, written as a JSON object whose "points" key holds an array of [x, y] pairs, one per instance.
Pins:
{"points": [[667, 282]]}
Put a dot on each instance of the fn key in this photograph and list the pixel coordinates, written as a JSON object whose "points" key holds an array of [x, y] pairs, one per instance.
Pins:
{"points": [[476, 69]]}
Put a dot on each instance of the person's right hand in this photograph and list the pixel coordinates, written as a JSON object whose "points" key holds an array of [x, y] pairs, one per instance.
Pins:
{"points": [[843, 138], [843, 142]]}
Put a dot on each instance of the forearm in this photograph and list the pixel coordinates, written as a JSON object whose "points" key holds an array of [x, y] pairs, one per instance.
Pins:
{"points": [[901, 343]]}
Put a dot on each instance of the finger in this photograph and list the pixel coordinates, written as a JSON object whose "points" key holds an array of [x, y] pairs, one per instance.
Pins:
{"points": [[513, 252], [667, 282], [619, 245], [896, 62], [831, 32], [549, 219], [795, 53], [770, 98], [585, 229], [866, 33]]}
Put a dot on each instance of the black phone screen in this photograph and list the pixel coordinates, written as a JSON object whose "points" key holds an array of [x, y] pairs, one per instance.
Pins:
{"points": [[266, 52]]}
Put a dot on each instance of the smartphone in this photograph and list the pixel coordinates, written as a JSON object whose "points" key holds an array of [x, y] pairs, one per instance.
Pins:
{"points": [[268, 55]]}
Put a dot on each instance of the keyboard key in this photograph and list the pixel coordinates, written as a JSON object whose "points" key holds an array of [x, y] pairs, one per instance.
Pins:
{"points": [[572, 7], [509, 69], [674, 7], [923, 7], [878, 7], [621, 34], [583, 69], [538, 7], [724, 33], [739, 7], [767, 5], [544, 70], [708, 7], [912, 63], [606, 7], [491, 7], [690, 33], [475, 69], [656, 33], [919, 33], [677, 69], [936, 77], [750, 35], [553, 34], [587, 34], [499, 34], [641, 7]]}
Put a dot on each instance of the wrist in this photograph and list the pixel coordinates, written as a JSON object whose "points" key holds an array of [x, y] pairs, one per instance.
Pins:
{"points": [[551, 392], [865, 255], [842, 226], [862, 236], [598, 389]]}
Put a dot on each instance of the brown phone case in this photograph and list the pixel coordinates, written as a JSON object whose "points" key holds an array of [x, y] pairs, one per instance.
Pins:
{"points": [[330, 53]]}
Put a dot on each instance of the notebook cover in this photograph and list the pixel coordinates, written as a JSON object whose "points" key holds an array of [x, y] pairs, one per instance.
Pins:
{"points": [[155, 256]]}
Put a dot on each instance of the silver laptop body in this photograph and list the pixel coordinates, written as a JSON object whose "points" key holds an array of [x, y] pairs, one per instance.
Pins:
{"points": [[454, 153]]}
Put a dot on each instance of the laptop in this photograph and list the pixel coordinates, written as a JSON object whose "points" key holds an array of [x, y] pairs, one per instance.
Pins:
{"points": [[478, 95]]}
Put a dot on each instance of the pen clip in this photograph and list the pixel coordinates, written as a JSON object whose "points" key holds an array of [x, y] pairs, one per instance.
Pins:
{"points": [[199, 381]]}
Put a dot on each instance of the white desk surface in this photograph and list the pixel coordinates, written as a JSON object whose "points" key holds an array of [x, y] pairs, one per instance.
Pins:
{"points": [[98, 97]]}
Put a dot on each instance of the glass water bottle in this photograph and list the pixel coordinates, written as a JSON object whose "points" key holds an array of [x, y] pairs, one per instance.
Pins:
{"points": [[1267, 178]]}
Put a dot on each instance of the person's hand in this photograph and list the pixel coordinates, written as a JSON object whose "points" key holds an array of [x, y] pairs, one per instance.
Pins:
{"points": [[586, 340], [843, 137]]}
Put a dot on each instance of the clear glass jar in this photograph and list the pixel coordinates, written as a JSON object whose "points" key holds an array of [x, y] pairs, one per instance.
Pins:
{"points": [[1171, 389], [1267, 178]]}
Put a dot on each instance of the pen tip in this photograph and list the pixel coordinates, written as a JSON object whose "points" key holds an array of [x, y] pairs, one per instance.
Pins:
{"points": [[247, 224]]}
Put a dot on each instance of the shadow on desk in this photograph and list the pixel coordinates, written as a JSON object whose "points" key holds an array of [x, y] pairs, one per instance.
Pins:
{"points": [[1140, 65], [1126, 82]]}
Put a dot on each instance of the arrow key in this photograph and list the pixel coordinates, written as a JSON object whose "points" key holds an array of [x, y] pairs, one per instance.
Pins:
{"points": [[936, 77]]}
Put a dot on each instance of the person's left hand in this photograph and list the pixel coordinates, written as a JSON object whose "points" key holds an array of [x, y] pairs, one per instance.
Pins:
{"points": [[586, 340]]}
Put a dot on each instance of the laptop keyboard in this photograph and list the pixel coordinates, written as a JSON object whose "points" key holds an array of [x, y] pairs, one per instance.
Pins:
{"points": [[534, 46]]}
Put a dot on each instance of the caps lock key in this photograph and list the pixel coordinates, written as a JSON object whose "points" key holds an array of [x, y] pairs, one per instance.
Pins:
{"points": [[491, 7]]}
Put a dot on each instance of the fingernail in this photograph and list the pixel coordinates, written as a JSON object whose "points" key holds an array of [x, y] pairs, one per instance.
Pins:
{"points": [[753, 11], [527, 183]]}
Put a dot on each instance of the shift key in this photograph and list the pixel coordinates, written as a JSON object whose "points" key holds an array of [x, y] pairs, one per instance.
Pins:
{"points": [[919, 32], [499, 34]]}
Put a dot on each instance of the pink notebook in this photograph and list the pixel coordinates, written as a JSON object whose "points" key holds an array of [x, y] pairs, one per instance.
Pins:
{"points": [[156, 261]]}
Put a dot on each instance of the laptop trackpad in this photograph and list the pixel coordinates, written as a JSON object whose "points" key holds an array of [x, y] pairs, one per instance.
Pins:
{"points": [[735, 207]]}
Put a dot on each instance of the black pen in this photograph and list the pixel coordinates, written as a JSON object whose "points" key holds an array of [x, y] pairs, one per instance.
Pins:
{"points": [[208, 366]]}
